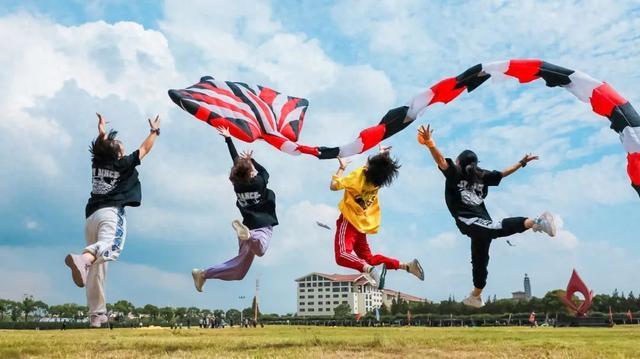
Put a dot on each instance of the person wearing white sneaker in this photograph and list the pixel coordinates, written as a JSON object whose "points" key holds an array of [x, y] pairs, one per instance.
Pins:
{"points": [[360, 216], [115, 185], [466, 188], [96, 320], [474, 300], [257, 205]]}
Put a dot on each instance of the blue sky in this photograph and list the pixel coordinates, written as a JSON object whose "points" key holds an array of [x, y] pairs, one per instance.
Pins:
{"points": [[353, 60]]}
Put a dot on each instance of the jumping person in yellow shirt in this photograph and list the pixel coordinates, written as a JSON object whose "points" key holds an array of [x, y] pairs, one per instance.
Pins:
{"points": [[360, 215]]}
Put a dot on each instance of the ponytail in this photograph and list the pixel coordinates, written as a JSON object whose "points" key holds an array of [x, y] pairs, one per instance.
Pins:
{"points": [[468, 162], [473, 173]]}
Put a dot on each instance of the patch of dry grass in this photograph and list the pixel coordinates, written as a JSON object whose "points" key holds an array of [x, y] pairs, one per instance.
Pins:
{"points": [[285, 341]]}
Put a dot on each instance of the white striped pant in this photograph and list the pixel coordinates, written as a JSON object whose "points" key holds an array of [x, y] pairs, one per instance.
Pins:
{"points": [[105, 233]]}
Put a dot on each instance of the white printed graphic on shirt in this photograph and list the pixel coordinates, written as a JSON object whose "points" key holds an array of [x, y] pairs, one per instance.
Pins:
{"points": [[248, 198], [104, 180], [471, 194]]}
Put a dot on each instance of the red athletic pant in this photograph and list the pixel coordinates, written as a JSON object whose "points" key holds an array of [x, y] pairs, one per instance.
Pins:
{"points": [[349, 240]]}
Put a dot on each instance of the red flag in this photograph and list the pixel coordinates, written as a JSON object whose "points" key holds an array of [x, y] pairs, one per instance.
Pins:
{"points": [[358, 316]]}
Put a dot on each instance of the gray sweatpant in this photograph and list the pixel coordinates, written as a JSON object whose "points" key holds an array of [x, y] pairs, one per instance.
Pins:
{"points": [[105, 233]]}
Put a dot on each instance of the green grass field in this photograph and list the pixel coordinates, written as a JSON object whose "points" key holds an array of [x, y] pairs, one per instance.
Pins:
{"points": [[284, 341]]}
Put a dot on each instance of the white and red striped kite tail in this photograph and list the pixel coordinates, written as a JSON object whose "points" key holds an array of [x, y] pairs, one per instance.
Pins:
{"points": [[604, 101]]}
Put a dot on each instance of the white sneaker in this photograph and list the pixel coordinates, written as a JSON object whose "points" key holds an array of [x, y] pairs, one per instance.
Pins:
{"points": [[416, 269], [198, 278], [96, 320], [241, 230], [79, 268], [473, 301], [545, 223]]}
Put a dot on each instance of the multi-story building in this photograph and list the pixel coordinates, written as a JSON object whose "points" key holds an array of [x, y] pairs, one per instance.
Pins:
{"points": [[389, 295], [526, 295], [318, 294], [519, 295]]}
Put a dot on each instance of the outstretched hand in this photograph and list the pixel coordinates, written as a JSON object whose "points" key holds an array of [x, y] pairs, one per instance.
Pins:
{"points": [[223, 131], [343, 162], [155, 124], [247, 155], [528, 158], [425, 134]]}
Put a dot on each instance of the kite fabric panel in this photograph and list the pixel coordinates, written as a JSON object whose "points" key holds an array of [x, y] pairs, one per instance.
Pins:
{"points": [[261, 113], [250, 112]]}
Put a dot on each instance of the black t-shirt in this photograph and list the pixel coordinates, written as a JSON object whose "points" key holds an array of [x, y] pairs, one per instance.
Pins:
{"points": [[256, 202], [466, 199], [115, 183]]}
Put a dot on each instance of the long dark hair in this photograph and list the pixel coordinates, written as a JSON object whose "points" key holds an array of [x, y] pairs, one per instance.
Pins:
{"points": [[105, 148], [241, 172], [468, 163], [381, 170]]}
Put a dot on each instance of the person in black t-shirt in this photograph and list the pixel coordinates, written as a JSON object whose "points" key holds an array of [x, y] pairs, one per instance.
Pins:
{"points": [[115, 185], [257, 205], [466, 188]]}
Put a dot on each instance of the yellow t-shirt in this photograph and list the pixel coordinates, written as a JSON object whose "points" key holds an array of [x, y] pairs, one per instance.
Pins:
{"points": [[359, 205]]}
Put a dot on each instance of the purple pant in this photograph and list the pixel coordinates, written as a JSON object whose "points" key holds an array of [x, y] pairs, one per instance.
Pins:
{"points": [[237, 267]]}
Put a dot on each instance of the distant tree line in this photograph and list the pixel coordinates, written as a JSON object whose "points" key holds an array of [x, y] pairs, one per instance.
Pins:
{"points": [[550, 303], [30, 309]]}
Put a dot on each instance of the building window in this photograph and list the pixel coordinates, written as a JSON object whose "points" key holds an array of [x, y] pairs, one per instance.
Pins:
{"points": [[311, 303], [336, 295], [301, 290], [344, 289], [336, 284], [319, 309], [320, 296], [336, 289], [344, 302], [312, 310], [302, 297], [344, 295], [327, 302], [301, 303], [310, 290], [302, 309], [336, 302]]}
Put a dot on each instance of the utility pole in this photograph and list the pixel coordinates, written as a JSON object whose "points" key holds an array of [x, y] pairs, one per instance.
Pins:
{"points": [[255, 310], [241, 298]]}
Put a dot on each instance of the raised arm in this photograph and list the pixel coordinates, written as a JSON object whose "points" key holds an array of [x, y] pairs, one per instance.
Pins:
{"points": [[522, 163], [335, 186], [224, 132], [102, 130], [154, 132], [425, 138]]}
